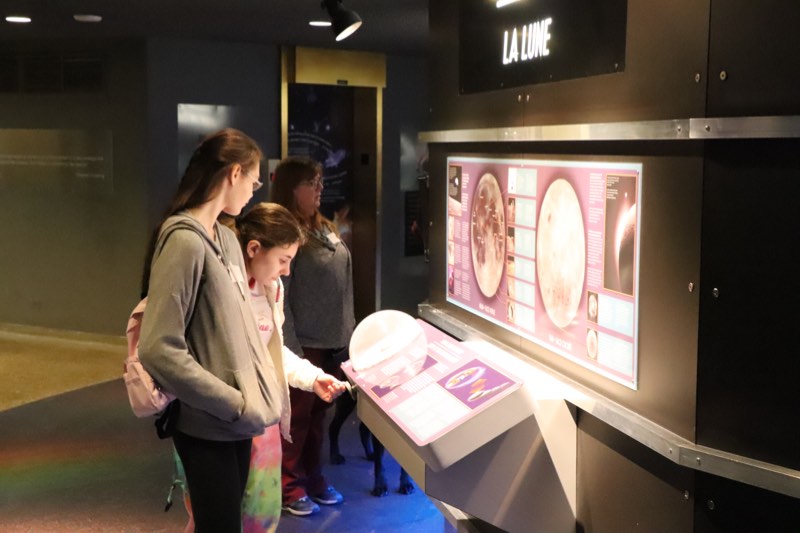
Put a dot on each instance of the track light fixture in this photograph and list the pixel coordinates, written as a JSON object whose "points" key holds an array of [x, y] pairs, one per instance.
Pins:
{"points": [[343, 21]]}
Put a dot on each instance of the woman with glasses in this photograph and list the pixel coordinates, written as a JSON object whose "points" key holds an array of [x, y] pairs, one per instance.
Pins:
{"points": [[199, 339], [318, 326]]}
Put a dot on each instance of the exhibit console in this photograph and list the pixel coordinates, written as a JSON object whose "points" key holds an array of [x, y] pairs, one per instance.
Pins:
{"points": [[613, 233], [446, 409]]}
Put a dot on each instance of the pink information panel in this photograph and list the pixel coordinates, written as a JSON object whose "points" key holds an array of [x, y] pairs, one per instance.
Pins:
{"points": [[430, 393], [550, 250]]}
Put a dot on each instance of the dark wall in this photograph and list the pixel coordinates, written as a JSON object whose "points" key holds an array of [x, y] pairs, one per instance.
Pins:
{"points": [[747, 368], [403, 279], [752, 66], [747, 376], [625, 486], [194, 72]]}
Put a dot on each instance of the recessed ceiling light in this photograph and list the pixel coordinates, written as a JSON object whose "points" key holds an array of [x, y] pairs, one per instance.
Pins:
{"points": [[87, 18], [18, 19], [320, 23]]}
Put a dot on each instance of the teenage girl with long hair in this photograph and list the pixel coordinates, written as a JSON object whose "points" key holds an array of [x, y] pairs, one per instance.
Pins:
{"points": [[199, 339]]}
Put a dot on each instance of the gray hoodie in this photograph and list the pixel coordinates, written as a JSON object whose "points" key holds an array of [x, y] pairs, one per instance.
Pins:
{"points": [[319, 296], [199, 339]]}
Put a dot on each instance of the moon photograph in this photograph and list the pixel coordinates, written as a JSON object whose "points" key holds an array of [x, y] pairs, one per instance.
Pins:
{"points": [[488, 234], [561, 252]]}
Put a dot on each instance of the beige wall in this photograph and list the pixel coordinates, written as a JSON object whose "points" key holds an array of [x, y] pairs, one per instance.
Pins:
{"points": [[70, 260]]}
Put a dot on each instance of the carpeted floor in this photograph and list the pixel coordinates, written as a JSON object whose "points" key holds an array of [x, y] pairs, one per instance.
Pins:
{"points": [[38, 363], [77, 460]]}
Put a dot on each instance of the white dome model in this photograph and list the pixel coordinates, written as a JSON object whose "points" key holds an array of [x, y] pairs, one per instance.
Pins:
{"points": [[384, 334]]}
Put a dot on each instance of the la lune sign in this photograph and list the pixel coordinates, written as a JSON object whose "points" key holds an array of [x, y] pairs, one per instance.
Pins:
{"points": [[529, 43], [506, 44]]}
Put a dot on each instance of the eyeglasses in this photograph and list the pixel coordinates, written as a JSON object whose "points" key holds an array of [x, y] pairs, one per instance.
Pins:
{"points": [[257, 183], [313, 182]]}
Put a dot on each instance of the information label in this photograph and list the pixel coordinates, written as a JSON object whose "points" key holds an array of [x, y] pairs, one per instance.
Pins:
{"points": [[57, 161]]}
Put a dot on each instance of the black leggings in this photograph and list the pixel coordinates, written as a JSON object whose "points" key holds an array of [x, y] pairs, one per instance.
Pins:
{"points": [[216, 472]]}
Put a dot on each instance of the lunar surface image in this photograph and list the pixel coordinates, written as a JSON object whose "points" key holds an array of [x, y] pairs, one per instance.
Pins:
{"points": [[561, 252], [488, 234]]}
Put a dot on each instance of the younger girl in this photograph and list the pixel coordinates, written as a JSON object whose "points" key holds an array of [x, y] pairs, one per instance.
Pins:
{"points": [[270, 236]]}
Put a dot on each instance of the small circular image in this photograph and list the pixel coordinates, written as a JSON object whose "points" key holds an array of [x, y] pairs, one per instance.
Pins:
{"points": [[561, 252], [592, 307], [465, 377], [591, 344], [488, 234]]}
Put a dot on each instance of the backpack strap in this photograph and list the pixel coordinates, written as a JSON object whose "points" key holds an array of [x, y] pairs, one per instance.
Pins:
{"points": [[134, 326]]}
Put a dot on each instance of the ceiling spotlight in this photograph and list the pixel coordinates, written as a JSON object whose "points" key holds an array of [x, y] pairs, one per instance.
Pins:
{"points": [[86, 17], [343, 21], [18, 19]]}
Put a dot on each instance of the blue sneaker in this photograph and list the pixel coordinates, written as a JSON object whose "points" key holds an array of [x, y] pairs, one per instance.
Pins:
{"points": [[301, 507], [329, 496]]}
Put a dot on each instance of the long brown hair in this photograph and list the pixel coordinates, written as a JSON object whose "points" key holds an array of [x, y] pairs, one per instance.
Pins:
{"points": [[289, 174], [207, 169]]}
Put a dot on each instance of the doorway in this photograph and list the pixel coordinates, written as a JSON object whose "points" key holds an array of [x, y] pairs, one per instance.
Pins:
{"points": [[333, 115]]}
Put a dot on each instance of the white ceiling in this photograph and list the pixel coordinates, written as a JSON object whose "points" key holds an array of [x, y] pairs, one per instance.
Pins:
{"points": [[390, 26]]}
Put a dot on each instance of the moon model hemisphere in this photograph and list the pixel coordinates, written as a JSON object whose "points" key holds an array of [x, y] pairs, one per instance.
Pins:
{"points": [[488, 234], [561, 252]]}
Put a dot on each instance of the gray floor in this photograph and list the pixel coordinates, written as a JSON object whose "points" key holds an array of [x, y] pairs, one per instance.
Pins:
{"points": [[81, 462]]}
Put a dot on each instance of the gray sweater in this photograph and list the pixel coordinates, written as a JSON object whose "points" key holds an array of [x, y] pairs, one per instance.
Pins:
{"points": [[319, 296], [199, 339]]}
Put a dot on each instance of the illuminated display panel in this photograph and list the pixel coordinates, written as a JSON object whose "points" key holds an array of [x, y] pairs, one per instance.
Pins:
{"points": [[550, 251]]}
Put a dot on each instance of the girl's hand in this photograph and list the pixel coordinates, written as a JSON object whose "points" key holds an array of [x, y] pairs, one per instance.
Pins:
{"points": [[328, 388]]}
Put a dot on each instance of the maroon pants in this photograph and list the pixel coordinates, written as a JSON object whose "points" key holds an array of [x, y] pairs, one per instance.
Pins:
{"points": [[301, 466]]}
